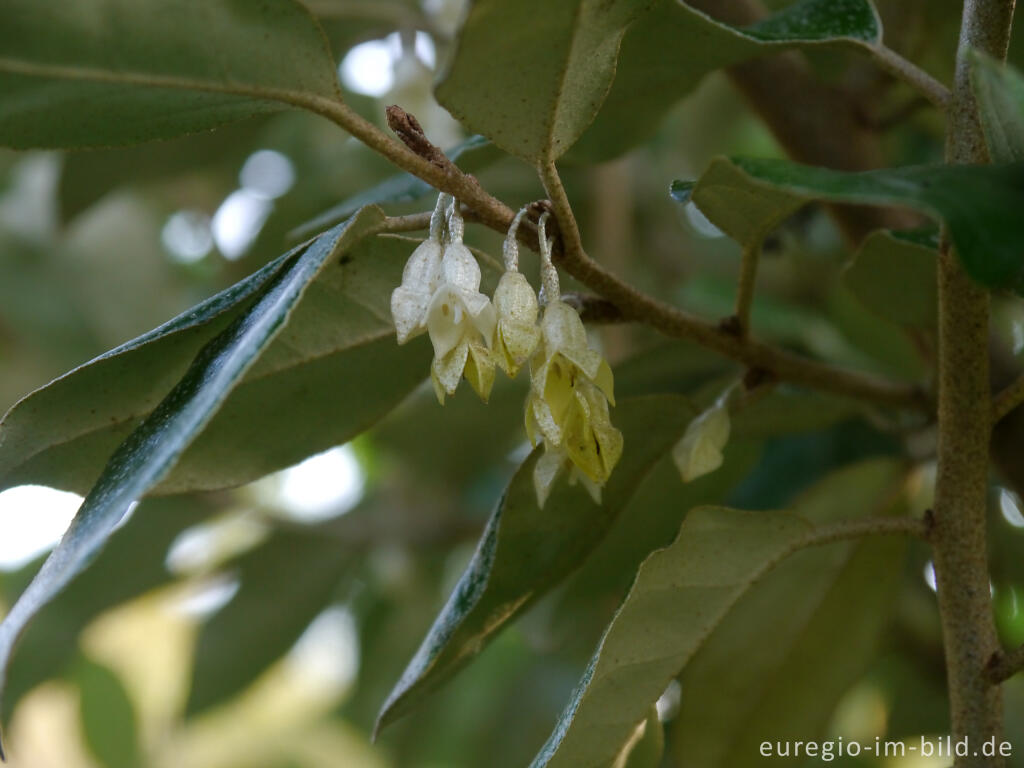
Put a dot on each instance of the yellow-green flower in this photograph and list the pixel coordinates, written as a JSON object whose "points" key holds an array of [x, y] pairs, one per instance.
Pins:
{"points": [[567, 409], [515, 301], [571, 386]]}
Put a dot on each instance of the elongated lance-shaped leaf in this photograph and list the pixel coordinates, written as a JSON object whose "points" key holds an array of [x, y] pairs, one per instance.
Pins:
{"points": [[103, 72], [999, 89], [152, 449], [980, 204], [331, 375], [668, 51], [681, 595], [525, 551]]}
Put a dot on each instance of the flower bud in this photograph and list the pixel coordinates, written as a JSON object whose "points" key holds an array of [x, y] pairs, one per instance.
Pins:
{"points": [[699, 451], [517, 334], [420, 278]]}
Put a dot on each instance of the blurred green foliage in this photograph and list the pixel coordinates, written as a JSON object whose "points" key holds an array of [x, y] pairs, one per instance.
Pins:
{"points": [[89, 260]]}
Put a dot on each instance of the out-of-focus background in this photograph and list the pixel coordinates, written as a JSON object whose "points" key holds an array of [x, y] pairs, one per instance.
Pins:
{"points": [[263, 627]]}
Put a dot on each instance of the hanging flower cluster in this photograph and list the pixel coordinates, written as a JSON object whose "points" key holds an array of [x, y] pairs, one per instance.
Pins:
{"points": [[570, 383], [440, 294]]}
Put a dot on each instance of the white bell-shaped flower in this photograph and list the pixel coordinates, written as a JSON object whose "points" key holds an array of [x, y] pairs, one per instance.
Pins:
{"points": [[460, 320], [420, 280]]}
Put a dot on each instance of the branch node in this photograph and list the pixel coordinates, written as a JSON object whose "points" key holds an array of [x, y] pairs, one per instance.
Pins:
{"points": [[594, 310], [1001, 666], [758, 377], [929, 522], [732, 326], [407, 128]]}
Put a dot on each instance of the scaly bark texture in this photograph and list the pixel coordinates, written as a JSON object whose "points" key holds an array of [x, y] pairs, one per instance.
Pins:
{"points": [[959, 533]]}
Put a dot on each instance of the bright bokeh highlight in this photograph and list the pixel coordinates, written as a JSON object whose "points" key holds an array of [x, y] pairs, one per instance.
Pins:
{"points": [[32, 520]]}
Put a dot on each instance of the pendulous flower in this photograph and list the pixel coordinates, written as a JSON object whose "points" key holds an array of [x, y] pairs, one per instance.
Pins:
{"points": [[420, 280], [460, 320], [567, 409], [515, 301]]}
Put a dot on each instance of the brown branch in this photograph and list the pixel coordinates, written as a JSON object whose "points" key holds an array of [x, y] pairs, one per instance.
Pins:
{"points": [[634, 304], [594, 310], [1002, 666], [959, 541], [638, 306], [1008, 399], [408, 129]]}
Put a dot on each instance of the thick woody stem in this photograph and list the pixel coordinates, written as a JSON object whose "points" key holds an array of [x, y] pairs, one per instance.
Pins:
{"points": [[959, 531]]}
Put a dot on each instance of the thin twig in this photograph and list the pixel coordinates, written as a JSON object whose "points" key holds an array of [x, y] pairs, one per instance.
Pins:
{"points": [[869, 526], [1002, 666], [638, 306], [594, 310], [745, 287], [634, 304], [937, 93], [895, 117], [1008, 399], [410, 223]]}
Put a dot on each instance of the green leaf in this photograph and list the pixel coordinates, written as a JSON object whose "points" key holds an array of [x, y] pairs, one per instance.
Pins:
{"points": [[680, 596], [820, 616], [646, 746], [999, 89], [471, 155], [333, 372], [586, 604], [153, 448], [530, 75], [745, 212], [525, 551], [108, 717], [285, 583], [667, 52], [106, 72], [981, 205], [894, 275]]}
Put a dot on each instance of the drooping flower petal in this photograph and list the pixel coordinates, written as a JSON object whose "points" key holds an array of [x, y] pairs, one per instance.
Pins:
{"points": [[571, 386], [517, 334], [699, 451], [590, 440], [561, 328], [546, 471], [420, 278], [446, 371], [479, 370], [447, 320], [592, 488]]}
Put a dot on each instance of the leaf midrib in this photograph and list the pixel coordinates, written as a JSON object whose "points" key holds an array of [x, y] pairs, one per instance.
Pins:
{"points": [[796, 545], [296, 98]]}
